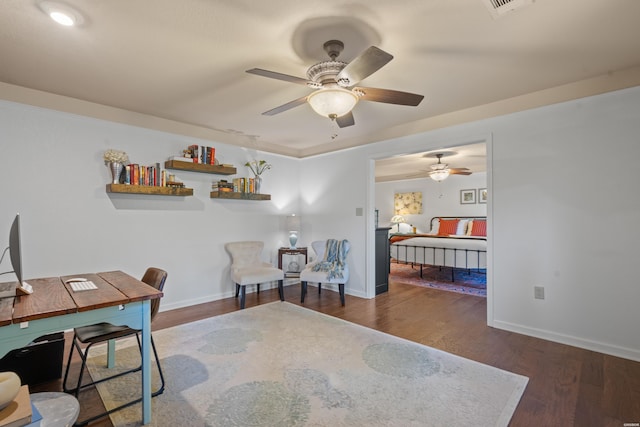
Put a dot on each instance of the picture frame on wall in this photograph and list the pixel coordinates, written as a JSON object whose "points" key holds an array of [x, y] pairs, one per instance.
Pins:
{"points": [[468, 197], [482, 195]]}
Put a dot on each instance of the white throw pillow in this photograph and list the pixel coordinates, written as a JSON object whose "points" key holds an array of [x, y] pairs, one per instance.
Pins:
{"points": [[436, 226], [469, 227], [462, 227]]}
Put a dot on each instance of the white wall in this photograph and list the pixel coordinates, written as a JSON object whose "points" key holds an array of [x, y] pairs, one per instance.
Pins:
{"points": [[53, 174], [438, 199], [562, 214]]}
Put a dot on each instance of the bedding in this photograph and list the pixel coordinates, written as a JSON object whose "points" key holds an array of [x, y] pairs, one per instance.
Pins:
{"points": [[465, 247]]}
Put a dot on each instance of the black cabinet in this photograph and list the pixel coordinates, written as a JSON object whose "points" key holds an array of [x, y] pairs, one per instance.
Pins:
{"points": [[382, 259], [40, 361]]}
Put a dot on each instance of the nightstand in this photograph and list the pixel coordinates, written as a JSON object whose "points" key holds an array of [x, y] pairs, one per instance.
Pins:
{"points": [[293, 268]]}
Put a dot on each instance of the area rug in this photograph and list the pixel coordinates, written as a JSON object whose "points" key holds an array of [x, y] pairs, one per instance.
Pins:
{"points": [[469, 282], [282, 365]]}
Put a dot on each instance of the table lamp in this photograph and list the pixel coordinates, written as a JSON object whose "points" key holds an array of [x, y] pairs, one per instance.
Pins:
{"points": [[292, 223], [397, 219]]}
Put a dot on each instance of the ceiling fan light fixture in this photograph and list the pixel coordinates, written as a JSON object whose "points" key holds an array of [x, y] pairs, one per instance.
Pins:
{"points": [[439, 174], [61, 13], [332, 102]]}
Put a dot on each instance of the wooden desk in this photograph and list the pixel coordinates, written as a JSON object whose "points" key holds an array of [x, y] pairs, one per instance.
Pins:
{"points": [[120, 299]]}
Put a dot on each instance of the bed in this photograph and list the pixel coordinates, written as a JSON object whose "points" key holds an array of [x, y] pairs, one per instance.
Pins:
{"points": [[454, 242]]}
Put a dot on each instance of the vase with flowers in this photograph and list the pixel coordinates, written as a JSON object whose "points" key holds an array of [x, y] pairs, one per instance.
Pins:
{"points": [[257, 167], [116, 160]]}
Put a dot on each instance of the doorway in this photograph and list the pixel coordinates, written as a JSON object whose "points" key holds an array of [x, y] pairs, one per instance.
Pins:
{"points": [[441, 198]]}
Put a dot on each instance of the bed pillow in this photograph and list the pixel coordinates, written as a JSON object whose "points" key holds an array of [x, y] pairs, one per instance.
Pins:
{"points": [[436, 226], [447, 226], [479, 228], [461, 230], [469, 228]]}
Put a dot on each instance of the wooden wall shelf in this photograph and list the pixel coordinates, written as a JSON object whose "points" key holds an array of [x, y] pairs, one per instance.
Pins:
{"points": [[145, 189], [239, 196], [199, 167]]}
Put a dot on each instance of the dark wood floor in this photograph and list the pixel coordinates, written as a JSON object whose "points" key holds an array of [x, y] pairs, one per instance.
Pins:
{"points": [[567, 386]]}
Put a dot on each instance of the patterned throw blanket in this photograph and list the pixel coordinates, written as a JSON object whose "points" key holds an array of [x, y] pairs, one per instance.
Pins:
{"points": [[335, 258]]}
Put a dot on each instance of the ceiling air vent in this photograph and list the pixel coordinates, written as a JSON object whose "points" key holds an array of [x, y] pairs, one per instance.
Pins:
{"points": [[499, 8]]}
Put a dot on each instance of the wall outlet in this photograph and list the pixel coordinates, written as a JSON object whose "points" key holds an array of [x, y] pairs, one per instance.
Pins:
{"points": [[538, 292]]}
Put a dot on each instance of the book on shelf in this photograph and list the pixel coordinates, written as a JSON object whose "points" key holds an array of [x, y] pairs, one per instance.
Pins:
{"points": [[244, 185], [201, 154], [194, 151], [18, 413], [153, 176], [222, 186]]}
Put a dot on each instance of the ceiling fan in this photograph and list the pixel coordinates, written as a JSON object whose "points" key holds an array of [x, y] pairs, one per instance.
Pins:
{"points": [[334, 82], [440, 171]]}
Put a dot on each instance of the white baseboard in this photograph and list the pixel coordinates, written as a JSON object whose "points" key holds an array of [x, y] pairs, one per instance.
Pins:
{"points": [[293, 281], [230, 294], [613, 350]]}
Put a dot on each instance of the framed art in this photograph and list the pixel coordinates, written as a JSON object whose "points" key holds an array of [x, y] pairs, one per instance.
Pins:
{"points": [[482, 195], [467, 197], [407, 203]]}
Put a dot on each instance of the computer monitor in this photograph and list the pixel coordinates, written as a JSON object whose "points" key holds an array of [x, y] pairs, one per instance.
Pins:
{"points": [[15, 253]]}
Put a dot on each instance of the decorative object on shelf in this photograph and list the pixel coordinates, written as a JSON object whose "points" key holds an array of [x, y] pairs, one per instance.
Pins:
{"points": [[398, 219], [257, 167], [292, 223], [257, 184], [116, 160], [116, 170]]}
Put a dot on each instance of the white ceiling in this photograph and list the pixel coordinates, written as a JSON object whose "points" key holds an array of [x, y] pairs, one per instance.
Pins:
{"points": [[180, 65], [418, 165]]}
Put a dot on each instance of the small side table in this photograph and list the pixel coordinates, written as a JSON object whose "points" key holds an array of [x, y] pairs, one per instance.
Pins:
{"points": [[291, 251], [57, 409]]}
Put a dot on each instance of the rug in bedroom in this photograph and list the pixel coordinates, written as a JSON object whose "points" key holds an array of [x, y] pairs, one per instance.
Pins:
{"points": [[466, 282], [279, 364]]}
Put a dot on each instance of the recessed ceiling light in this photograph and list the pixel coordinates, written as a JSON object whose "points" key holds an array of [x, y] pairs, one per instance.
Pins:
{"points": [[61, 13]]}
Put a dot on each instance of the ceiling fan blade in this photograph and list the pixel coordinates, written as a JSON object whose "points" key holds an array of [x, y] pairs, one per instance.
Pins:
{"points": [[389, 96], [459, 171], [421, 174], [346, 120], [285, 107], [367, 63], [278, 76]]}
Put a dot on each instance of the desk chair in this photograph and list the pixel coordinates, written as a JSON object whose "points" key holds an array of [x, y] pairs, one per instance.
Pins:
{"points": [[248, 269], [103, 332], [320, 270]]}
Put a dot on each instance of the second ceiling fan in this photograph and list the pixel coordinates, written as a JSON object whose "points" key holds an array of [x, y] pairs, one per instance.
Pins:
{"points": [[440, 171], [335, 82]]}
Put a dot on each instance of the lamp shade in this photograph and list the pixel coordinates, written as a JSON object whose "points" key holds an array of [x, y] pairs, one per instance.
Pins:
{"points": [[439, 175], [397, 219], [292, 222], [332, 102]]}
